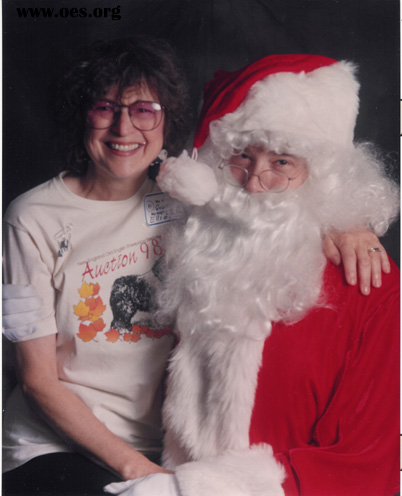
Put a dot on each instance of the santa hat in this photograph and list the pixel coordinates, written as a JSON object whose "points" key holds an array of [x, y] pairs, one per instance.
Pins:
{"points": [[312, 97], [306, 95]]}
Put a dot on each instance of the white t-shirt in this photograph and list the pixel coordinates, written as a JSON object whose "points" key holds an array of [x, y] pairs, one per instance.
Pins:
{"points": [[92, 264]]}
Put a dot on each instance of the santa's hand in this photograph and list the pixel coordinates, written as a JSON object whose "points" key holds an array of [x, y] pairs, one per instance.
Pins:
{"points": [[154, 484], [22, 310], [187, 180], [362, 255]]}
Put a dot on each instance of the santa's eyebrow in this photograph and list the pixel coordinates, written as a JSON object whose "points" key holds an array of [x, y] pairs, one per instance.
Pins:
{"points": [[282, 154]]}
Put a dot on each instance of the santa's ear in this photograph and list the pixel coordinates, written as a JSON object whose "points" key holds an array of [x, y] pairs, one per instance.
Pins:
{"points": [[187, 180]]}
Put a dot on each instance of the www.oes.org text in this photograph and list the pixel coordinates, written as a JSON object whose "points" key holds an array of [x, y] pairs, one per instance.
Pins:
{"points": [[112, 13]]}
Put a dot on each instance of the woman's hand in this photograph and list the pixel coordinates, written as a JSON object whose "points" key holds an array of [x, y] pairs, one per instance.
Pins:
{"points": [[361, 263]]}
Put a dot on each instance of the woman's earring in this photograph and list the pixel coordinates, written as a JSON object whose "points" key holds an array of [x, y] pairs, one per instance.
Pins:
{"points": [[153, 169], [160, 158], [163, 155]]}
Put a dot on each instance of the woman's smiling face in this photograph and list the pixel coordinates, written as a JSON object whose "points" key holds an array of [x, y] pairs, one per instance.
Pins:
{"points": [[123, 151]]}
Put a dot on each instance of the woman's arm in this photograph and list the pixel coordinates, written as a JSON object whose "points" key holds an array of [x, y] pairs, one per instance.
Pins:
{"points": [[69, 416]]}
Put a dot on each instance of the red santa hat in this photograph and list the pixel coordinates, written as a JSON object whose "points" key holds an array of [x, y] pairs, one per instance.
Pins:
{"points": [[308, 95]]}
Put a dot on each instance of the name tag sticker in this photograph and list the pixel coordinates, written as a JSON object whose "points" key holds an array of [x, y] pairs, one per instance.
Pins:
{"points": [[160, 208]]}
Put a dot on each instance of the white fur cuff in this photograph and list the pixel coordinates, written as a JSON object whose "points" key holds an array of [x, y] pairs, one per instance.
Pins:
{"points": [[252, 472], [191, 182]]}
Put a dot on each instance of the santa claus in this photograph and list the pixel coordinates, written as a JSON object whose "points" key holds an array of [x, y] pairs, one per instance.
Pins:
{"points": [[284, 379]]}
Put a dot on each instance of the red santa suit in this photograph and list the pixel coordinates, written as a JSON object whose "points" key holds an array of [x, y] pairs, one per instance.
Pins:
{"points": [[327, 398]]}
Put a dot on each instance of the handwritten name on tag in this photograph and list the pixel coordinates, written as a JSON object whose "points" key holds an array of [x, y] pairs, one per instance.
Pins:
{"points": [[160, 208]]}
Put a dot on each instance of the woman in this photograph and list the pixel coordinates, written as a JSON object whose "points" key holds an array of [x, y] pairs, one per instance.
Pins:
{"points": [[89, 242], [89, 245]]}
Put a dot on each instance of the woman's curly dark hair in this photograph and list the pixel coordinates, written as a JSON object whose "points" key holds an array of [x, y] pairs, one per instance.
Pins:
{"points": [[127, 62]]}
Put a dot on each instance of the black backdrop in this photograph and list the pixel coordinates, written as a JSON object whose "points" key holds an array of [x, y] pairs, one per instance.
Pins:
{"points": [[209, 35]]}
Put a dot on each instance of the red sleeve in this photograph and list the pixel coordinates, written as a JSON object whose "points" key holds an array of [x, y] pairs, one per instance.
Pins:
{"points": [[363, 459], [354, 445]]}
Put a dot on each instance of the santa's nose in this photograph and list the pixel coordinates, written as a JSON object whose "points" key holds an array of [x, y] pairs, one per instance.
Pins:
{"points": [[254, 184]]}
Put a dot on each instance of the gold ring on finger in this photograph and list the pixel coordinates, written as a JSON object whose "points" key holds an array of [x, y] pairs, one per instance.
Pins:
{"points": [[374, 250]]}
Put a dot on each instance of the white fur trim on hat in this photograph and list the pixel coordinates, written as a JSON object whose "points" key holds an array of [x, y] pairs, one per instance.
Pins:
{"points": [[187, 180], [321, 105]]}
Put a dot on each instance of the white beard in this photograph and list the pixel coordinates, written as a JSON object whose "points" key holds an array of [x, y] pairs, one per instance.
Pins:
{"points": [[243, 261], [239, 264]]}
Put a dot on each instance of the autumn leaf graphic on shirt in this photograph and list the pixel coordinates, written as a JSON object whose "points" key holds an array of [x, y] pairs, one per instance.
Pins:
{"points": [[131, 302], [112, 336], [136, 333], [86, 332], [89, 309]]}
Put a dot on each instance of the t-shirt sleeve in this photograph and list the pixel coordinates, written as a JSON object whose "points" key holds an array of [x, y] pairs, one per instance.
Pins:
{"points": [[23, 264], [357, 438]]}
